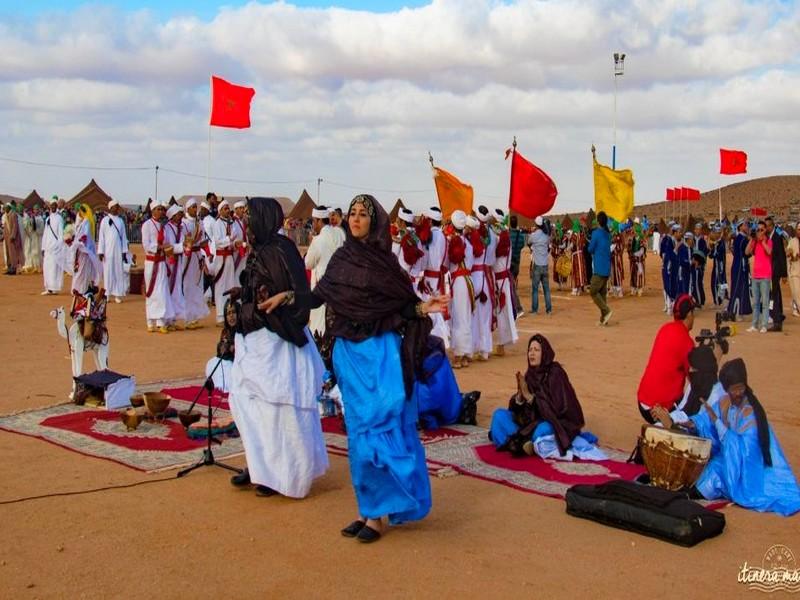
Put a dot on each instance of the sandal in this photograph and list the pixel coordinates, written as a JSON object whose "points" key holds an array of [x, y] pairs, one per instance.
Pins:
{"points": [[367, 535], [264, 491], [353, 529]]}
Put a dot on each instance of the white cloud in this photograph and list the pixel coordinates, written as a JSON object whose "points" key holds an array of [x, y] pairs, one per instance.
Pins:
{"points": [[360, 97]]}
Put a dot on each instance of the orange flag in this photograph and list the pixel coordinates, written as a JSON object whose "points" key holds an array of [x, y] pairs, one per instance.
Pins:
{"points": [[453, 194]]}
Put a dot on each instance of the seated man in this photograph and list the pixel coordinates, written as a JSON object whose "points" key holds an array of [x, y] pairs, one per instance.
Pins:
{"points": [[665, 374], [544, 417], [747, 464]]}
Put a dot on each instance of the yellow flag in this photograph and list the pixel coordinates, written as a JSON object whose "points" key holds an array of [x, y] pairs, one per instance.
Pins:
{"points": [[453, 194], [613, 191]]}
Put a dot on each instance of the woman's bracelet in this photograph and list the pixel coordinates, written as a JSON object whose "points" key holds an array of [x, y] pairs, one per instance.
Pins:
{"points": [[289, 299], [418, 310]]}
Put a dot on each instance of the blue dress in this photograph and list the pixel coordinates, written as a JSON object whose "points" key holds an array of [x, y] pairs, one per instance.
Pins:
{"points": [[740, 278], [718, 277], [668, 270], [699, 275], [737, 471], [387, 461], [438, 398], [684, 270]]}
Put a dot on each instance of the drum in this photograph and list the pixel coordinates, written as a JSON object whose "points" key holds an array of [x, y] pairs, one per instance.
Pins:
{"points": [[674, 460], [137, 280], [564, 266]]}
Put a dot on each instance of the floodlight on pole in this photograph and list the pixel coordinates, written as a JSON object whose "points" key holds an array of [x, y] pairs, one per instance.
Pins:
{"points": [[619, 71]]}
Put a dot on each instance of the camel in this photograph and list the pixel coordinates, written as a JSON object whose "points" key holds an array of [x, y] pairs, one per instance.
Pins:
{"points": [[78, 345]]}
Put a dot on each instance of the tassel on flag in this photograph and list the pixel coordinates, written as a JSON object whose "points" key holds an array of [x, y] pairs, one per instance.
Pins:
{"points": [[230, 104], [732, 162]]}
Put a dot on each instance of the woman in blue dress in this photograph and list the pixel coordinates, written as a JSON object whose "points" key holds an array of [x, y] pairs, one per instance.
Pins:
{"points": [[380, 329], [739, 304]]}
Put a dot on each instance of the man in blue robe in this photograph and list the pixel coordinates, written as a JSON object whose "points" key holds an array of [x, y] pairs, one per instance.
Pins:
{"points": [[684, 253], [668, 268]]}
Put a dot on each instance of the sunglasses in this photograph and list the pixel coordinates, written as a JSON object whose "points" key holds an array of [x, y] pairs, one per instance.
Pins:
{"points": [[761, 229]]}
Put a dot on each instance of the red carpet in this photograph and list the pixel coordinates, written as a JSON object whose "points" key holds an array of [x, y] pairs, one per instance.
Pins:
{"points": [[218, 399]]}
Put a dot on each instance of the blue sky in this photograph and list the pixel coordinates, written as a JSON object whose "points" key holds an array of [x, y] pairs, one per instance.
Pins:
{"points": [[205, 9]]}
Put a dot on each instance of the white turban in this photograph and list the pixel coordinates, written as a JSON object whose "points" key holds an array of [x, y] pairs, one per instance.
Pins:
{"points": [[112, 203], [157, 204], [321, 212], [205, 205], [240, 204], [636, 220], [190, 203], [433, 213], [539, 221], [483, 214], [223, 203], [458, 219], [472, 222], [406, 215], [499, 214], [173, 210]]}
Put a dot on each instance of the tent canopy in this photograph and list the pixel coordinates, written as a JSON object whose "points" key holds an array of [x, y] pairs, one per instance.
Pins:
{"points": [[32, 200], [92, 195], [302, 209], [396, 209]]}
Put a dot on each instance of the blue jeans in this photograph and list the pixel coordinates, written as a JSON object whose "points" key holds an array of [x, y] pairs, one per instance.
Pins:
{"points": [[539, 275], [760, 289]]}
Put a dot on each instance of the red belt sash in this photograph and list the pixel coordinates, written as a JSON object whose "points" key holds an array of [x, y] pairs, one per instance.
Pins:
{"points": [[157, 259]]}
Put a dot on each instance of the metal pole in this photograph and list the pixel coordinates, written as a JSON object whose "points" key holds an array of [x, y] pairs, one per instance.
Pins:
{"points": [[319, 181], [208, 162], [720, 202], [155, 197], [614, 147]]}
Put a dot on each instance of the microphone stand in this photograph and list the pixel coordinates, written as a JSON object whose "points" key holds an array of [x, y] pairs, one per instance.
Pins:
{"points": [[208, 455]]}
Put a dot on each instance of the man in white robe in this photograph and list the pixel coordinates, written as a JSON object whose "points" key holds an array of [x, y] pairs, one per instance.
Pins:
{"points": [[325, 242], [207, 221], [158, 308], [112, 250], [87, 269], [412, 259], [53, 250], [240, 233], [460, 260], [435, 272], [33, 224], [506, 324], [195, 255], [483, 283], [226, 247], [174, 238]]}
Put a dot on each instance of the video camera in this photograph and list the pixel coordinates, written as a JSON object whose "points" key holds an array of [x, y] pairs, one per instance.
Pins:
{"points": [[708, 337]]}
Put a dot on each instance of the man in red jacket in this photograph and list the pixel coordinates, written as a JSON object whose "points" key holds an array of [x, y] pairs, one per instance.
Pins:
{"points": [[665, 374]]}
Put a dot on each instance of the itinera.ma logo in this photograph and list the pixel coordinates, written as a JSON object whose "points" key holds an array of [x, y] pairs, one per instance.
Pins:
{"points": [[778, 572]]}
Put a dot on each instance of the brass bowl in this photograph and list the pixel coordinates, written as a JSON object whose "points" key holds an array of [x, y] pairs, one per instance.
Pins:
{"points": [[156, 403], [131, 418], [187, 418], [137, 400]]}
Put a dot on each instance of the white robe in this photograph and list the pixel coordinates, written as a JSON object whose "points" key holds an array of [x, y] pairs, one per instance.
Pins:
{"points": [[224, 266], [112, 244], [461, 305], [434, 261], [158, 307], [506, 326], [482, 316], [196, 307], [86, 266], [174, 237], [54, 249], [273, 399], [32, 226], [240, 234], [317, 257]]}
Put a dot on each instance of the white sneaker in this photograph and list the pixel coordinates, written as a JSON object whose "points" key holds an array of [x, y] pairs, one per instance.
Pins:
{"points": [[607, 318], [751, 329], [795, 313], [118, 300], [45, 293], [763, 330]]}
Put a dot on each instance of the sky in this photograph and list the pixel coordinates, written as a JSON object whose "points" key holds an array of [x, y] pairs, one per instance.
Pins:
{"points": [[356, 93]]}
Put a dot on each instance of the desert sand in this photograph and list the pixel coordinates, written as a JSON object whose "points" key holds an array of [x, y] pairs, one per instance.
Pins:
{"points": [[199, 537]]}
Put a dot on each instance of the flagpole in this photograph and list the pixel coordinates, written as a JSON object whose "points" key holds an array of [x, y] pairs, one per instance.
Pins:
{"points": [[720, 201], [208, 161]]}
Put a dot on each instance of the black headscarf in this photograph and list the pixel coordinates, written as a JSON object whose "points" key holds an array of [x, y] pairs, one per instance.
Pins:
{"points": [[365, 289], [273, 266], [555, 400], [702, 376], [733, 372]]}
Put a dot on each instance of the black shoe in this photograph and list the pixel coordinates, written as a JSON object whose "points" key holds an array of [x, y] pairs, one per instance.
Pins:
{"points": [[353, 529], [367, 535], [264, 491], [241, 479], [775, 329]]}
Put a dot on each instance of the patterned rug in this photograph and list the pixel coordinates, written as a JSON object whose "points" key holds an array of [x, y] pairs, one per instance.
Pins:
{"points": [[162, 445]]}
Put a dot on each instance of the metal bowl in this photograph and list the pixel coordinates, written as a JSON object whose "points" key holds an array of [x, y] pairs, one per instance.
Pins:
{"points": [[156, 402]]}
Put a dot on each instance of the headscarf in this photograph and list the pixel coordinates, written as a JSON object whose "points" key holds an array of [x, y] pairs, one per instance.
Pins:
{"points": [[365, 290], [733, 372], [554, 397], [702, 377], [273, 266]]}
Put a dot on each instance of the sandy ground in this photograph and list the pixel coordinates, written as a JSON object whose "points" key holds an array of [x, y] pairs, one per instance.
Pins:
{"points": [[187, 537]]}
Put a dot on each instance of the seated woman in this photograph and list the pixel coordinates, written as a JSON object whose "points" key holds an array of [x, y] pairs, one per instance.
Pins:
{"points": [[747, 464], [544, 417], [225, 350]]}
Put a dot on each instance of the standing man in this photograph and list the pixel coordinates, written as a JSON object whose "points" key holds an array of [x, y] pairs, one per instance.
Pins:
{"points": [[484, 290], [506, 326], [600, 249], [719, 279], [739, 304], [462, 297], [240, 233], [778, 259], [174, 237], [435, 269], [410, 254], [617, 262], [11, 239], [701, 247], [576, 241], [793, 258], [191, 278], [518, 240], [112, 250], [324, 243], [761, 249], [227, 245], [53, 250], [540, 256], [207, 224], [158, 309]]}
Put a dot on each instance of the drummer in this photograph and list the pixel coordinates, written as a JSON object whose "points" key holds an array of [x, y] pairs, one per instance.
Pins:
{"points": [[668, 366]]}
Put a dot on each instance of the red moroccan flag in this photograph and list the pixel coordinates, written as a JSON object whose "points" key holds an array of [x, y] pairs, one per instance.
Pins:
{"points": [[694, 194], [732, 162], [670, 194], [230, 104], [758, 212], [532, 191]]}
